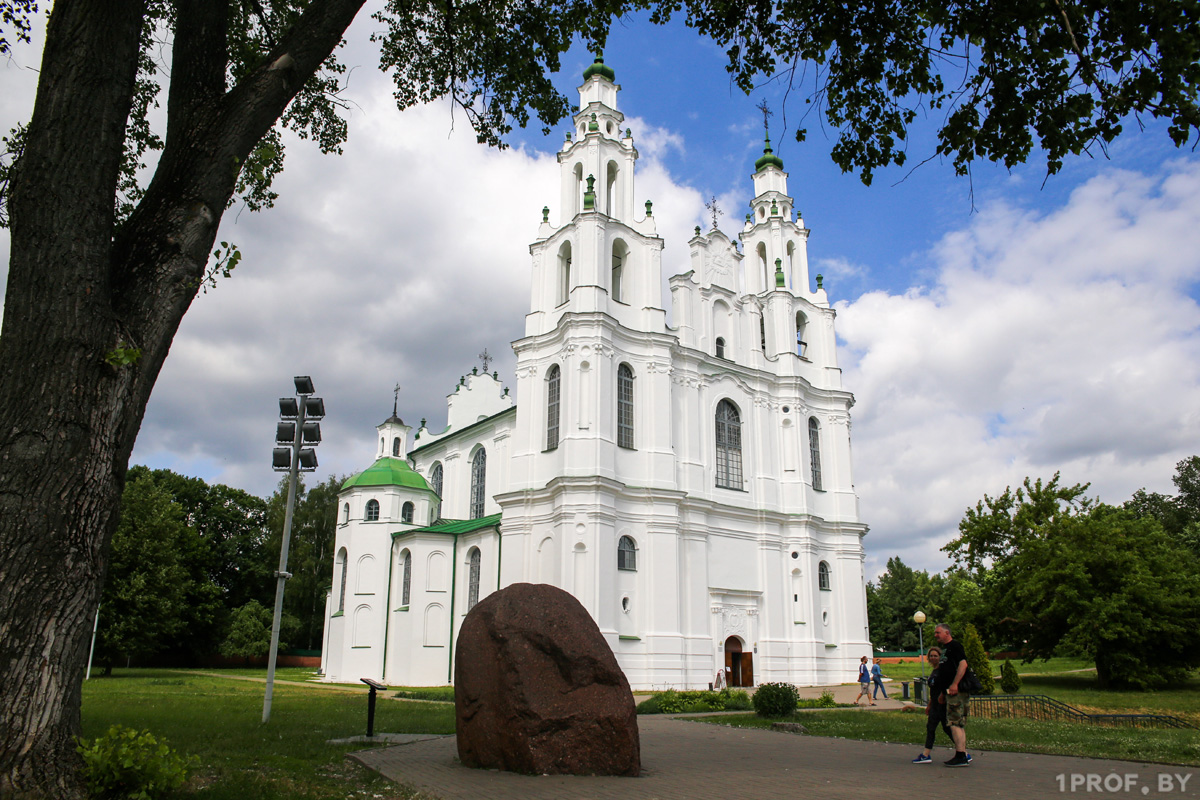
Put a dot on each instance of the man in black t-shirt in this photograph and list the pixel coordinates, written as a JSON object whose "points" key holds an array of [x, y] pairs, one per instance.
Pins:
{"points": [[954, 667]]}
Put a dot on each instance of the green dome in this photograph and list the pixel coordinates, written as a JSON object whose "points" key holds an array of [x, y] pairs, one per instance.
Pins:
{"points": [[768, 159], [388, 471], [598, 68]]}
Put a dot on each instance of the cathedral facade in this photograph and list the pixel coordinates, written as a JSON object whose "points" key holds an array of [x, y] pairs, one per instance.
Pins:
{"points": [[688, 481]]}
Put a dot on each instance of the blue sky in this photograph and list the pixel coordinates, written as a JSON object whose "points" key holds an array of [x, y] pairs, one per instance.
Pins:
{"points": [[1037, 328]]}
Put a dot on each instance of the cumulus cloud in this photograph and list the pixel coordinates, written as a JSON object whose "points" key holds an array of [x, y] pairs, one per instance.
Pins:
{"points": [[1061, 341]]}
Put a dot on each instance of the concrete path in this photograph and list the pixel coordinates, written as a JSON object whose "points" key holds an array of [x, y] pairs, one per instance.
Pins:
{"points": [[683, 760]]}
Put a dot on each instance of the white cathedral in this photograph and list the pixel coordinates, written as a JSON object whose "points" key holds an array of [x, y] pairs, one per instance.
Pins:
{"points": [[689, 483]]}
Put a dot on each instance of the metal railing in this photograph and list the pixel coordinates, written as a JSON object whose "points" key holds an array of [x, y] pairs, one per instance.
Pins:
{"points": [[1043, 708]]}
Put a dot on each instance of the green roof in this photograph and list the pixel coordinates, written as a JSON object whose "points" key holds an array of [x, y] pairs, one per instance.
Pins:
{"points": [[598, 68], [456, 526], [388, 471], [768, 158]]}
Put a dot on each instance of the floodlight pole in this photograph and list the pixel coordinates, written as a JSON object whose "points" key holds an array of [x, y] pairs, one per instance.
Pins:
{"points": [[282, 574]]}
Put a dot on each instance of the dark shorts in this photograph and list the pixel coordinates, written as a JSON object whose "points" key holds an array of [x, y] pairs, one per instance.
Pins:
{"points": [[956, 709]]}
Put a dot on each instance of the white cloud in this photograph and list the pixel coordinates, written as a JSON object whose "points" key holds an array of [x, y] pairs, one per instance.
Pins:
{"points": [[1057, 341]]}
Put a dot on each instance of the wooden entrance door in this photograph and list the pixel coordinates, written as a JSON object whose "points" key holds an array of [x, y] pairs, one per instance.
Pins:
{"points": [[739, 666]]}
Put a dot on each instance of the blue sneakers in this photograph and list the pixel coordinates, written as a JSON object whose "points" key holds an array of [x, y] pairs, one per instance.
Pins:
{"points": [[922, 759]]}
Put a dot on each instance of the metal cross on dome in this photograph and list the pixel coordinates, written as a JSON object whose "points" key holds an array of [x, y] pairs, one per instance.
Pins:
{"points": [[766, 112], [395, 399], [486, 359], [715, 209]]}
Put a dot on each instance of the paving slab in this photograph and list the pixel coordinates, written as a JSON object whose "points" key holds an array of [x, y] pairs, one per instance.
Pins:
{"points": [[687, 760]]}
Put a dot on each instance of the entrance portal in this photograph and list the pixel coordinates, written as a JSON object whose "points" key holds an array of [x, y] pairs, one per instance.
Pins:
{"points": [[739, 666]]}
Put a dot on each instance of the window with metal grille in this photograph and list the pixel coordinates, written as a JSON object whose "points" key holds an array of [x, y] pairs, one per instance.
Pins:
{"points": [[814, 451], [626, 554], [372, 514], [625, 406], [823, 576], [473, 581], [406, 513], [478, 482], [729, 446], [406, 587], [553, 384], [435, 479]]}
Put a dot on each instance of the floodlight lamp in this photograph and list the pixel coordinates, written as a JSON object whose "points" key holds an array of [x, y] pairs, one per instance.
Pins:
{"points": [[312, 432], [281, 458], [289, 407], [314, 408], [304, 385], [285, 432], [919, 617], [308, 459]]}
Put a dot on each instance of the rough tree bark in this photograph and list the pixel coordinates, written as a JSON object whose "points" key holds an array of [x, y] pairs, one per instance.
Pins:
{"points": [[81, 290]]}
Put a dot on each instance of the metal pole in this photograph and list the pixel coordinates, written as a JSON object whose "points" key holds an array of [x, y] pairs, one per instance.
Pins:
{"points": [[282, 573], [92, 651], [921, 639]]}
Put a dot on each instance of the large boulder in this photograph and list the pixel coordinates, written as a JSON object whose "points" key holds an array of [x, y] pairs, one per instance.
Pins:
{"points": [[537, 689]]}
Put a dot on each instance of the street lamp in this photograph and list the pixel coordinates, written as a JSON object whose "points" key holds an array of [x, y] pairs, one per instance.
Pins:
{"points": [[919, 618], [298, 427]]}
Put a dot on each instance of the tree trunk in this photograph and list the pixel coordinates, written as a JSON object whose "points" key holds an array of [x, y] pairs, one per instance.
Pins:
{"points": [[82, 294]]}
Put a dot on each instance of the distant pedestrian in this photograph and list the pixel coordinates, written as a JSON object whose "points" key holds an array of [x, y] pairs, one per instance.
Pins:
{"points": [[954, 667], [864, 682], [877, 678]]}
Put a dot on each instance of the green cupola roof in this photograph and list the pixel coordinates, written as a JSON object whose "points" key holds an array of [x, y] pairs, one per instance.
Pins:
{"points": [[768, 159], [388, 471], [598, 68]]}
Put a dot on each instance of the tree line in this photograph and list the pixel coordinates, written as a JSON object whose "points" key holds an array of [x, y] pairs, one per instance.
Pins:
{"points": [[192, 570], [1044, 571]]}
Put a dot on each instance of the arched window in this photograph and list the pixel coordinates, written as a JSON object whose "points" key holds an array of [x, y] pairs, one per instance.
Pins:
{"points": [[814, 451], [619, 255], [764, 269], [729, 446], [720, 347], [625, 406], [372, 514], [801, 345], [435, 479], [564, 274], [553, 381], [762, 333], [341, 562], [473, 578], [610, 189], [396, 447], [627, 554], [478, 482], [345, 513], [406, 585], [406, 513], [823, 576]]}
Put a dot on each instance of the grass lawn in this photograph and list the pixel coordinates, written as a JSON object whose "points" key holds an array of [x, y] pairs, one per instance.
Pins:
{"points": [[912, 669], [1024, 736], [1079, 690], [220, 721]]}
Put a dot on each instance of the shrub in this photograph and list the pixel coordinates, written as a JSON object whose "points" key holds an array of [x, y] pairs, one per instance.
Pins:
{"points": [[737, 700], [697, 702], [776, 699], [1010, 681], [125, 764], [978, 659], [826, 700]]}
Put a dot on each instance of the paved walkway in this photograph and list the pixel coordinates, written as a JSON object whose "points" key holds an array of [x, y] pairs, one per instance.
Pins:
{"points": [[685, 760]]}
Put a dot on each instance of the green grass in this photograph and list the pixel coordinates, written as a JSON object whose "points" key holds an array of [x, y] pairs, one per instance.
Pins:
{"points": [[220, 721], [1023, 736], [912, 669], [1079, 690], [281, 673], [442, 694]]}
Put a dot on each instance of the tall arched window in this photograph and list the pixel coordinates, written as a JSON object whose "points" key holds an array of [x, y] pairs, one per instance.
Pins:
{"points": [[406, 513], [372, 514], [473, 578], [435, 479], [626, 554], [564, 274], [625, 406], [406, 585], [346, 513], [478, 482], [762, 333], [341, 562], [720, 347], [619, 255], [396, 447], [823, 576], [610, 189], [801, 345], [553, 381], [729, 446], [814, 451]]}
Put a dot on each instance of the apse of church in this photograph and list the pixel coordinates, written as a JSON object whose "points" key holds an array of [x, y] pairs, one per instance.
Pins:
{"points": [[690, 483]]}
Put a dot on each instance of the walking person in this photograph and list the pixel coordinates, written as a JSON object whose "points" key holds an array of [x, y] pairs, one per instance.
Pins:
{"points": [[935, 709], [877, 679], [953, 669], [864, 682]]}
